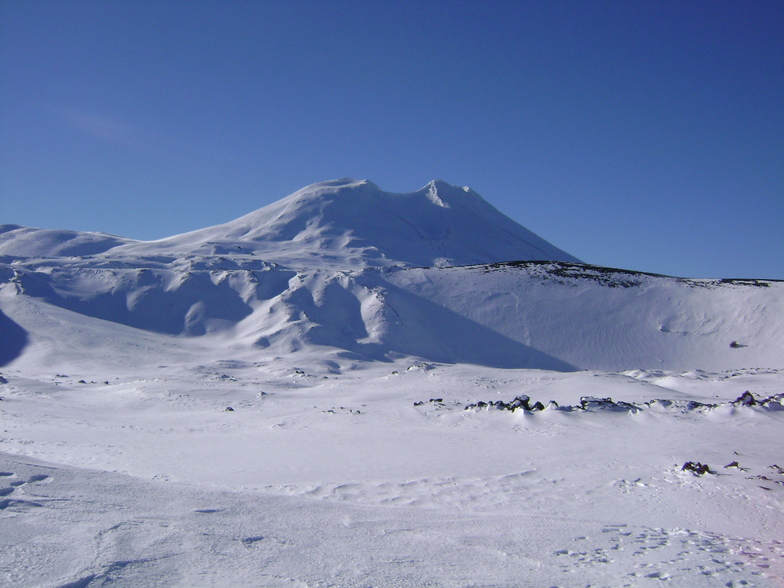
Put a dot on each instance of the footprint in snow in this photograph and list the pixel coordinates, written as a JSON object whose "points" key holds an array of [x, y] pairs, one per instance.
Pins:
{"points": [[673, 554]]}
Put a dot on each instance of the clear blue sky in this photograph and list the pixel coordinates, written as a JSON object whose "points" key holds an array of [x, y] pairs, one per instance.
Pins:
{"points": [[641, 135]]}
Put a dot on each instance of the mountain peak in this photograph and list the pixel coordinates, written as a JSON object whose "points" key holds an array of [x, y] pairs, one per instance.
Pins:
{"points": [[433, 193], [353, 223]]}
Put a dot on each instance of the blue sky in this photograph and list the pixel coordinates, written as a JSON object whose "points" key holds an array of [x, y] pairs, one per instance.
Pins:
{"points": [[640, 135]]}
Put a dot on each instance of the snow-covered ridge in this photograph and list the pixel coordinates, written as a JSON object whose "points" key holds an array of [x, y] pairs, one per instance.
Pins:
{"points": [[546, 315], [25, 242]]}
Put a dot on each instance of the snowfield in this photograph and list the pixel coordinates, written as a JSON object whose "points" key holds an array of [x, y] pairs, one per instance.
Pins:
{"points": [[356, 388]]}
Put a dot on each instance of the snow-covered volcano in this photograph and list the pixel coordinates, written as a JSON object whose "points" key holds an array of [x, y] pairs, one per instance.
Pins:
{"points": [[340, 223], [352, 223]]}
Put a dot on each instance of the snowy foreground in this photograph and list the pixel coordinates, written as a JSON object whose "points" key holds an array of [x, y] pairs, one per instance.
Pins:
{"points": [[351, 388], [331, 473]]}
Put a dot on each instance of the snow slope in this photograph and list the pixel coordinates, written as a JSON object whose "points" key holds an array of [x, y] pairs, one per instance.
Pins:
{"points": [[312, 395], [513, 315]]}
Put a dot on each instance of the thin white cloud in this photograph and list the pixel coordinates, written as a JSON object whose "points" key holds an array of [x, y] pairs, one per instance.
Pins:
{"points": [[104, 128]]}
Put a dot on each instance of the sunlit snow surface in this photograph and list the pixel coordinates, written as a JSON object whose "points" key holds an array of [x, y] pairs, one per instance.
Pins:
{"points": [[330, 473], [227, 419]]}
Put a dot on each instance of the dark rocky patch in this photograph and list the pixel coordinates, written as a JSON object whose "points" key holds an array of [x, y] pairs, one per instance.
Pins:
{"points": [[521, 401], [592, 403], [745, 399], [771, 402], [610, 277], [687, 405], [697, 468], [432, 400]]}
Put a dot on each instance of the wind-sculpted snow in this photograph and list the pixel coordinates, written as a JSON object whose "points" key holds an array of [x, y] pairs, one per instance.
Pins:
{"points": [[546, 315], [164, 301]]}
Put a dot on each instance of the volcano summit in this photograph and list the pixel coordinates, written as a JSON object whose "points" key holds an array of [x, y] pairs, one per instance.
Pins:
{"points": [[353, 223]]}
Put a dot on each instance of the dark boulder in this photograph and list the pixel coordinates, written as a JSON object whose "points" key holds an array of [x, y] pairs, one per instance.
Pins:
{"points": [[696, 468]]}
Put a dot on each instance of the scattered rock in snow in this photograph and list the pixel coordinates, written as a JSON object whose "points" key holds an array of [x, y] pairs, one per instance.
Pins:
{"points": [[432, 400], [697, 468], [771, 402], [590, 402], [521, 401], [745, 399]]}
